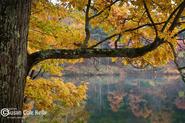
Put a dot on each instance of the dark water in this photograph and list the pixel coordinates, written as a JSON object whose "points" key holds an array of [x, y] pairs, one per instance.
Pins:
{"points": [[134, 98]]}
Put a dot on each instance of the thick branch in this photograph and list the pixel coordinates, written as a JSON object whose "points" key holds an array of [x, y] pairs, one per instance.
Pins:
{"points": [[39, 56]]}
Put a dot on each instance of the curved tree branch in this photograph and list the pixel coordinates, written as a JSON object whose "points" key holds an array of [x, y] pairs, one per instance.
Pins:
{"points": [[39, 56]]}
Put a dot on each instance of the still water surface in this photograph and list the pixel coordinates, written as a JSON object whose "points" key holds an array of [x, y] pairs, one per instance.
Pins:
{"points": [[134, 98]]}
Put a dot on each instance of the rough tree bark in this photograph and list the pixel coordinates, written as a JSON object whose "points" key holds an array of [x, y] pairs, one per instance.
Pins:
{"points": [[14, 17]]}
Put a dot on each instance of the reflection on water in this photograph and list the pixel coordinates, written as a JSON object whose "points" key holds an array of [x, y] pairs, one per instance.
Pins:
{"points": [[134, 98]]}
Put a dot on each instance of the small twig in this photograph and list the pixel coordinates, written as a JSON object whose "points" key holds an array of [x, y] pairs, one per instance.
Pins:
{"points": [[31, 73], [129, 41], [94, 63], [146, 40], [180, 46], [141, 17], [141, 26], [35, 76], [183, 40], [107, 38], [116, 41]]}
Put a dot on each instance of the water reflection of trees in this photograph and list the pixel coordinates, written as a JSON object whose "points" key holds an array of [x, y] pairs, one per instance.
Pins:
{"points": [[144, 96], [148, 99], [139, 106], [136, 103], [161, 117], [180, 103], [115, 98]]}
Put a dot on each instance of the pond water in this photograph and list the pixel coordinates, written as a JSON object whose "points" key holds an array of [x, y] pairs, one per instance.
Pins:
{"points": [[136, 97]]}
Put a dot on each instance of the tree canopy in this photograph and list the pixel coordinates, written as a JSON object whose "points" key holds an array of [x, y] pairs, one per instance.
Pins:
{"points": [[143, 32]]}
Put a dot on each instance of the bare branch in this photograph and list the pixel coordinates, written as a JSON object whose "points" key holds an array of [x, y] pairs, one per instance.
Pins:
{"points": [[150, 17]]}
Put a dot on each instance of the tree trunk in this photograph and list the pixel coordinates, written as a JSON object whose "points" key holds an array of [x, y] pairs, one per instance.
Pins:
{"points": [[14, 17]]}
